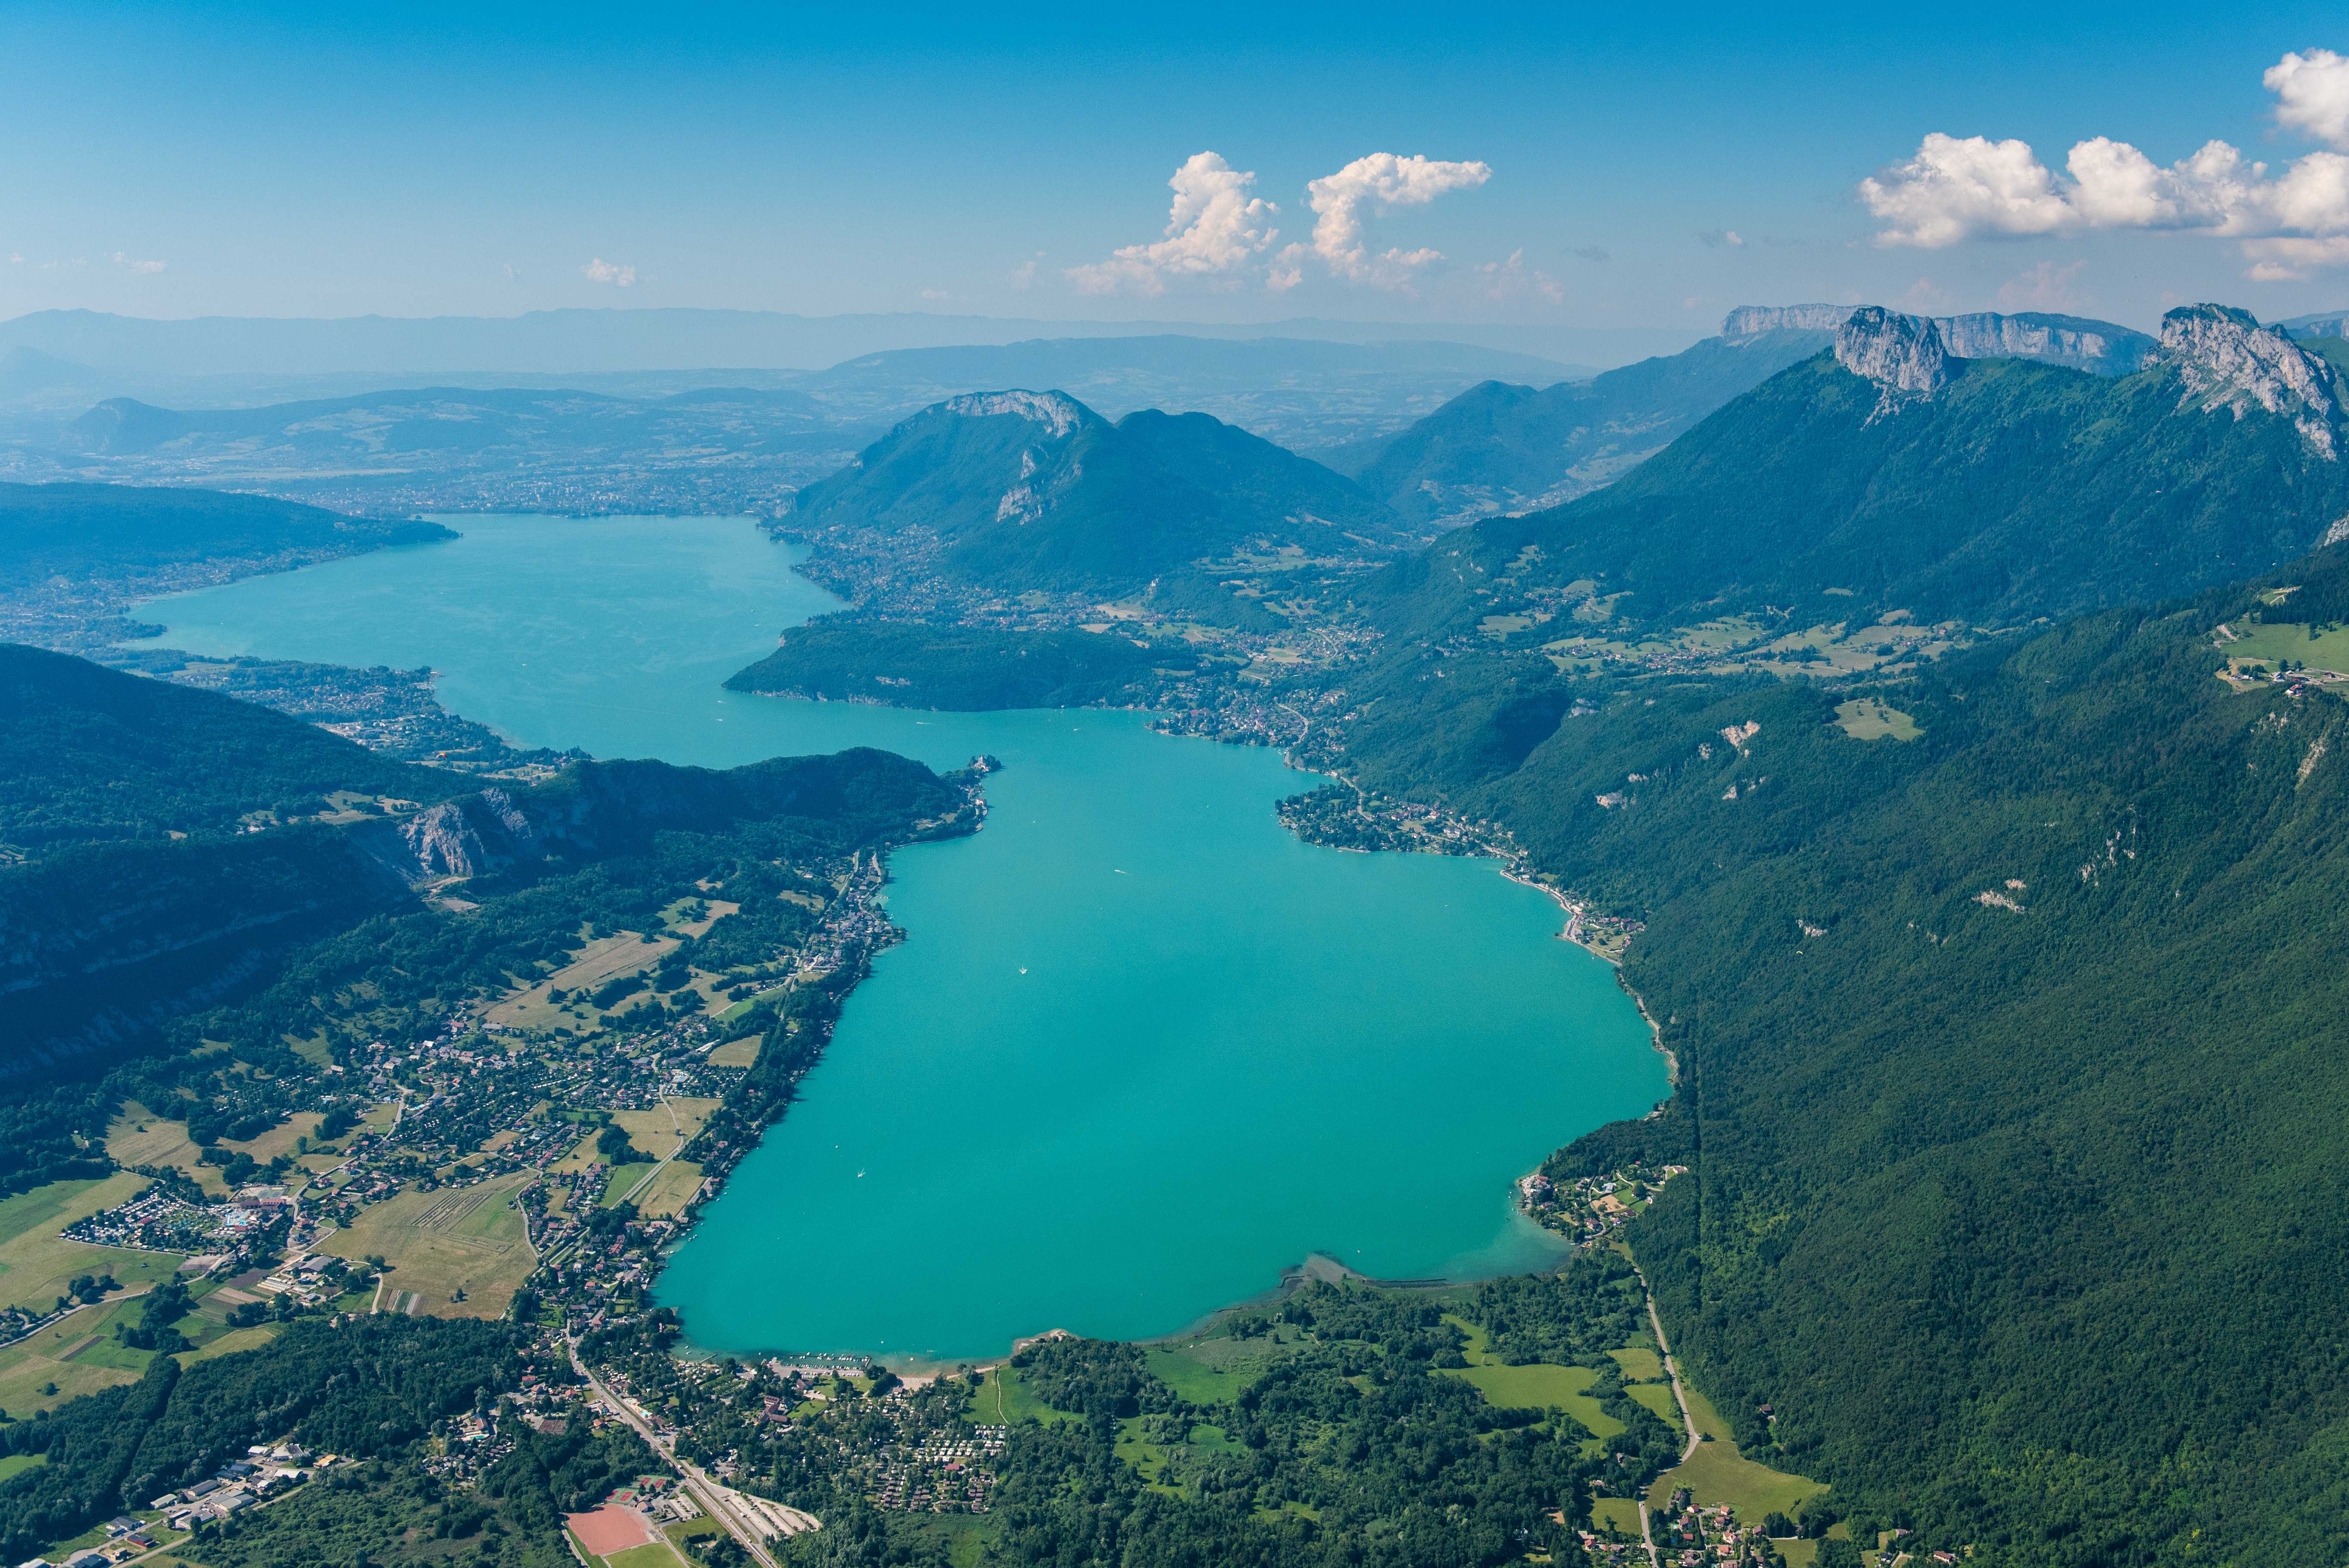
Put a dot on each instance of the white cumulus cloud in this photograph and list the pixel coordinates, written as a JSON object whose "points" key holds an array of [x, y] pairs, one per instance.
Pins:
{"points": [[1341, 237], [124, 261], [1957, 189], [1214, 228], [612, 273], [2312, 95]]}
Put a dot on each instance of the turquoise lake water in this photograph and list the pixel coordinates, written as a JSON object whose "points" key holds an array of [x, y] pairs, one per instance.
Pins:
{"points": [[1143, 1049]]}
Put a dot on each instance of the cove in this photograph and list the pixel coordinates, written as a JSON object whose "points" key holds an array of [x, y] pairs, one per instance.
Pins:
{"points": [[1142, 1050]]}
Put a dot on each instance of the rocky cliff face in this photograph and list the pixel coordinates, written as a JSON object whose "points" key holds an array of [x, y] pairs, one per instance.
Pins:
{"points": [[2225, 360], [2093, 345], [1903, 355], [1049, 408], [1753, 320]]}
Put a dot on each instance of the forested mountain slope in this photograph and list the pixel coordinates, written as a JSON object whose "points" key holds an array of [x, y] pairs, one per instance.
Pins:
{"points": [[119, 530], [961, 668], [1010, 491], [1499, 448], [108, 938], [1986, 490], [2009, 1062], [88, 753]]}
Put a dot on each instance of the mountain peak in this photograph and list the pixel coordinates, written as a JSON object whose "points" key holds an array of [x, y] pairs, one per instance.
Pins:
{"points": [[1057, 409], [2228, 360], [1903, 355]]}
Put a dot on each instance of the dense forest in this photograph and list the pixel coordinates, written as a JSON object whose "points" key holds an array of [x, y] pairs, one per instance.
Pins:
{"points": [[2007, 1061], [960, 668], [109, 532], [90, 754]]}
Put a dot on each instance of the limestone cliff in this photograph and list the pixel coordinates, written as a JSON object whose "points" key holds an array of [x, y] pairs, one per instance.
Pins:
{"points": [[2225, 360], [1903, 355]]}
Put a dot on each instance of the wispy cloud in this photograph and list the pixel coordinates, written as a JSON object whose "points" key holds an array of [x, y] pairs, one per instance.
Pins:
{"points": [[1340, 228], [1721, 240], [125, 261], [612, 273], [1213, 229], [934, 293], [2044, 288], [1968, 187], [1513, 279], [1589, 253]]}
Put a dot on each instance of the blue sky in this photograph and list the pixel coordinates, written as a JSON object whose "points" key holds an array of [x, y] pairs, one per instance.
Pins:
{"points": [[1631, 166]]}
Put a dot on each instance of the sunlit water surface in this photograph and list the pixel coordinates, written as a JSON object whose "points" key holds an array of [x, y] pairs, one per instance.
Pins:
{"points": [[1143, 1049]]}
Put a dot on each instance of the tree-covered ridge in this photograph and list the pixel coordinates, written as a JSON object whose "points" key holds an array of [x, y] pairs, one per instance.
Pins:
{"points": [[1012, 491], [1499, 447], [79, 531], [2006, 1063], [960, 668], [89, 754], [113, 945], [2018, 490]]}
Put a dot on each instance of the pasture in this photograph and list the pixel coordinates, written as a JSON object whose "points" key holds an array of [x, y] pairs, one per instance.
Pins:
{"points": [[468, 1240]]}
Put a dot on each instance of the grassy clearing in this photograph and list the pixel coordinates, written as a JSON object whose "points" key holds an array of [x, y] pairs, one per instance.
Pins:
{"points": [[138, 1138], [2272, 644], [466, 1240], [1639, 1363], [1717, 1473], [235, 1340], [1866, 718], [1620, 1514], [1537, 1386], [1657, 1397], [1002, 1399], [741, 1053], [37, 1266], [1201, 1382]]}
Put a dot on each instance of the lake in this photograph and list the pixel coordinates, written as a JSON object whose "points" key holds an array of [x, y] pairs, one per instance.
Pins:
{"points": [[1143, 1049]]}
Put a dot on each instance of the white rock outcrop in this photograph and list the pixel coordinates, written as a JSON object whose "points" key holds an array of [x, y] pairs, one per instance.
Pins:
{"points": [[1903, 355], [1753, 320], [2225, 360], [1061, 414]]}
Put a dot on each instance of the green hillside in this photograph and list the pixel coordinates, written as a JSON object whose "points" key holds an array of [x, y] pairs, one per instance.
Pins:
{"points": [[1499, 448], [2008, 1064], [79, 531], [1013, 491], [2017, 491], [960, 668], [87, 753]]}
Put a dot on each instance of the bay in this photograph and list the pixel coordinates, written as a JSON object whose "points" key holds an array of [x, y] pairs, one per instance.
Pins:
{"points": [[1143, 1049]]}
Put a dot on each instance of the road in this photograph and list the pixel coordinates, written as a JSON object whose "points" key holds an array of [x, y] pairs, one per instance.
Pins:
{"points": [[1688, 1421], [705, 1492]]}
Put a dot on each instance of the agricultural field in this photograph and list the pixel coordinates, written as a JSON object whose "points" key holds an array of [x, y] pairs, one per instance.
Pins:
{"points": [[467, 1241], [1718, 1473], [677, 1184], [36, 1264], [283, 1139], [1639, 1363], [138, 1138], [741, 1053], [1620, 1514]]}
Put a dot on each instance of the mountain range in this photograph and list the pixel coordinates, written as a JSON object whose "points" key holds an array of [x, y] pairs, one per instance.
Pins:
{"points": [[1892, 475], [1501, 448]]}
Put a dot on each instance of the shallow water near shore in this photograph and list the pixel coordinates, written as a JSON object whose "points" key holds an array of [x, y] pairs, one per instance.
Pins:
{"points": [[1143, 1049]]}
